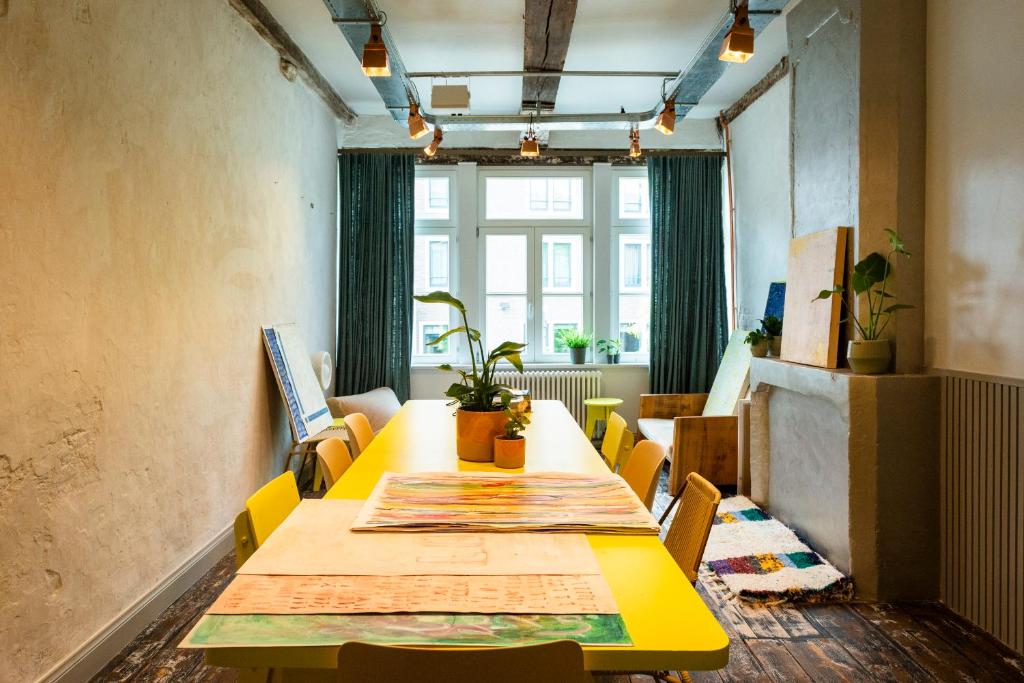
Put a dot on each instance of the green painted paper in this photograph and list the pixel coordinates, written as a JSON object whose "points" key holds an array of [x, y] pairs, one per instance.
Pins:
{"points": [[479, 630]]}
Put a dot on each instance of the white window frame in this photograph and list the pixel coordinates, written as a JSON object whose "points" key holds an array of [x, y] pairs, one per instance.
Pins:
{"points": [[633, 172], [453, 191], [572, 172], [621, 227], [448, 228], [534, 352]]}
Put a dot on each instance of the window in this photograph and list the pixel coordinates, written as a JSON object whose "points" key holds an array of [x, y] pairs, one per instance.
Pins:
{"points": [[432, 198], [633, 199], [516, 198], [431, 272], [631, 288], [428, 333], [438, 262]]}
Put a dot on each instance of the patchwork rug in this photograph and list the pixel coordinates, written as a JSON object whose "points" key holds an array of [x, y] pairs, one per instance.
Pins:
{"points": [[760, 559]]}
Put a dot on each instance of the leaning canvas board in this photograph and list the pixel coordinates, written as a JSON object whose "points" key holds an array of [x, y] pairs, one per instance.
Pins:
{"points": [[732, 379], [307, 409], [811, 332]]}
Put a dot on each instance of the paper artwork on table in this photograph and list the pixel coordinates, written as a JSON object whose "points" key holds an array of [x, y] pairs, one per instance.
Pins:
{"points": [[524, 594], [324, 525], [471, 630], [473, 501]]}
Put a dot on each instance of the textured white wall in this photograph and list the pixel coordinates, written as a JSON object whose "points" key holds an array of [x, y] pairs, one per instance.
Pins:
{"points": [[761, 194], [974, 236], [163, 192]]}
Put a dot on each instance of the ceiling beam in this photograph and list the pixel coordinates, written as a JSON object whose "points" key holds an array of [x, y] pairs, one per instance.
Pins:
{"points": [[260, 18], [778, 72], [547, 26]]}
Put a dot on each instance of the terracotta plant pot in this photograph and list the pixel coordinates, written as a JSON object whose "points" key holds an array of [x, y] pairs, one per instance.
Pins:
{"points": [[578, 355], [509, 454], [869, 357], [475, 432], [759, 350], [775, 347]]}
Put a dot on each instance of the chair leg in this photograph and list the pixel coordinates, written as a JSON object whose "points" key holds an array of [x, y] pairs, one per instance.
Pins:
{"points": [[591, 422], [672, 504]]}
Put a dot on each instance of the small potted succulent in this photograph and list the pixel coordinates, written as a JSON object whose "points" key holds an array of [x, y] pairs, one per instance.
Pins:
{"points": [[870, 354], [510, 446], [610, 348], [758, 341], [577, 342], [772, 326]]}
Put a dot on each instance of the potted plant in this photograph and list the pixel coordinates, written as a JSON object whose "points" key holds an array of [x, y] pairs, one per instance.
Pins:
{"points": [[480, 415], [510, 446], [772, 327], [870, 354], [758, 341], [610, 348], [577, 342]]}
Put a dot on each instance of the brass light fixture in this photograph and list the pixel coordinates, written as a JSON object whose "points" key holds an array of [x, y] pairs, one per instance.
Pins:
{"points": [[375, 55], [417, 126], [530, 147], [667, 118], [431, 149], [634, 143], [738, 45]]}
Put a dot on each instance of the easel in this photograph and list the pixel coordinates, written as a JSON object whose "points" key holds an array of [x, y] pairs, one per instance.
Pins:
{"points": [[307, 448]]}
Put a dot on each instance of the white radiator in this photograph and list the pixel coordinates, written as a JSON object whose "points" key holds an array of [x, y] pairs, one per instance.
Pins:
{"points": [[571, 387]]}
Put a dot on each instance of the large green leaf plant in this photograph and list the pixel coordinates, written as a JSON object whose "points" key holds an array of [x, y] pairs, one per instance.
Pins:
{"points": [[477, 389], [869, 278]]}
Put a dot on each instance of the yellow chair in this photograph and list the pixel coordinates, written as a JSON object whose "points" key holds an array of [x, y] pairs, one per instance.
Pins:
{"points": [[560, 661], [269, 506], [359, 431], [617, 441], [642, 468], [688, 533], [333, 457]]}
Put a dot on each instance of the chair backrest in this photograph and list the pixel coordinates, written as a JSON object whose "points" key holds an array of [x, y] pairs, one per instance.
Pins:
{"points": [[245, 544], [334, 459], [617, 440], [688, 533], [269, 506], [560, 661], [359, 431], [642, 469], [379, 406], [732, 379]]}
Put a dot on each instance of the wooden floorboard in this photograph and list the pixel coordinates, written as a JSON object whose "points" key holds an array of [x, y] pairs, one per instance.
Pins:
{"points": [[828, 642]]}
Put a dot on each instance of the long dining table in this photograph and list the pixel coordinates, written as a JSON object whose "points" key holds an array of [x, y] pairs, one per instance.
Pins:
{"points": [[670, 626]]}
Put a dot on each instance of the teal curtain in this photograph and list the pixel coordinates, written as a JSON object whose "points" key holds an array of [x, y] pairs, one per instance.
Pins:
{"points": [[688, 308], [375, 249]]}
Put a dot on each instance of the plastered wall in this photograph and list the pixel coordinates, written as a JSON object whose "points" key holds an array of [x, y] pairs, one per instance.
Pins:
{"points": [[974, 188], [163, 192]]}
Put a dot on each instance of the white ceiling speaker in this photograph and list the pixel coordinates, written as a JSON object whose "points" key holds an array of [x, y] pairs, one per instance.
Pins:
{"points": [[449, 99]]}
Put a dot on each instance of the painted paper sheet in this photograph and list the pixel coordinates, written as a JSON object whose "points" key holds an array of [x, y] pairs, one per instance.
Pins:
{"points": [[525, 594], [324, 525], [473, 501], [476, 630]]}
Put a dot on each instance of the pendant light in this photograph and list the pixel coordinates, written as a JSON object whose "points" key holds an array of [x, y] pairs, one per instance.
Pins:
{"points": [[634, 143], [375, 54], [738, 45], [530, 147], [431, 149], [667, 118], [417, 126]]}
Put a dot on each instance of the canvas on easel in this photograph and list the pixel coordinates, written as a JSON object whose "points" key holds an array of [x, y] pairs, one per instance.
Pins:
{"points": [[816, 262], [308, 413]]}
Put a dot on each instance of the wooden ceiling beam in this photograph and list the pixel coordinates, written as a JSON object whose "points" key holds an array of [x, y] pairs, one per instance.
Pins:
{"points": [[548, 25]]}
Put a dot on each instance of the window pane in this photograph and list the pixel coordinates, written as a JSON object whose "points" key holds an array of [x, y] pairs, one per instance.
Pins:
{"points": [[506, 263], [432, 199], [634, 263], [560, 313], [438, 263], [631, 265], [506, 320], [430, 263], [635, 322], [562, 263], [429, 321], [512, 198], [429, 334], [633, 199]]}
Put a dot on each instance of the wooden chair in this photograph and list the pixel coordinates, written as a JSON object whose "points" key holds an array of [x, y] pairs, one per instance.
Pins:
{"points": [[688, 534], [617, 441], [359, 431], [560, 661], [334, 458], [642, 468], [264, 511]]}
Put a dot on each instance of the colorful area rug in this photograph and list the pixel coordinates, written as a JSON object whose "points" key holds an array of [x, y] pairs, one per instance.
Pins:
{"points": [[760, 559]]}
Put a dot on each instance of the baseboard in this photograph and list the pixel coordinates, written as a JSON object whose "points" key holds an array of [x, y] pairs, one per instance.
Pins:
{"points": [[93, 654]]}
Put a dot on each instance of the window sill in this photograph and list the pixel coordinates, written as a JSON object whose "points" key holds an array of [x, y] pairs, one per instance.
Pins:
{"points": [[545, 366]]}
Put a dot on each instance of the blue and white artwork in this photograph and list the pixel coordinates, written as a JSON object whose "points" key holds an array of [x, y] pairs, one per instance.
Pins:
{"points": [[307, 410], [776, 304]]}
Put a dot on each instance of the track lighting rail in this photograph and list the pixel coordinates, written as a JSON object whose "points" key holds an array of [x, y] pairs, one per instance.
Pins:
{"points": [[542, 74]]}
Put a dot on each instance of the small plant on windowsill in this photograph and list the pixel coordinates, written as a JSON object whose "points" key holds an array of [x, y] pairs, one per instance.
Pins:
{"points": [[772, 327], [577, 342], [610, 348], [480, 416], [758, 341], [510, 447]]}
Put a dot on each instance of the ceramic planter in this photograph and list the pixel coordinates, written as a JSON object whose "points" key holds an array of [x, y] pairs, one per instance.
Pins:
{"points": [[509, 454], [475, 432], [775, 347], [578, 355], [759, 350], [869, 357], [613, 358]]}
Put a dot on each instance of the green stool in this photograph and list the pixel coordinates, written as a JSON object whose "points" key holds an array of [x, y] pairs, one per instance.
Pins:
{"points": [[599, 409]]}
